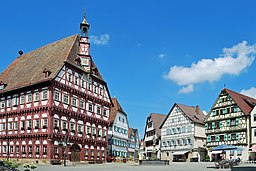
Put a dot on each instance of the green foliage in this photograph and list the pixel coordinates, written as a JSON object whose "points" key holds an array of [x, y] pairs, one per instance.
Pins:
{"points": [[33, 166], [27, 165], [12, 164], [207, 158]]}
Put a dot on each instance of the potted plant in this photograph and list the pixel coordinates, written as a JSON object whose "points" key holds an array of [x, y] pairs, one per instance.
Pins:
{"points": [[33, 166], [26, 166]]}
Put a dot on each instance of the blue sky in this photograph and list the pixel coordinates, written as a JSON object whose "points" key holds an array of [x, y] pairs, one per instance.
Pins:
{"points": [[151, 53]]}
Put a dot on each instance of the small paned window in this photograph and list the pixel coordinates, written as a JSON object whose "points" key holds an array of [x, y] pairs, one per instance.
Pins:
{"points": [[36, 96], [98, 110], [74, 101], [9, 101], [29, 98], [2, 103], [76, 81], [82, 104], [22, 100], [105, 112], [45, 95], [56, 95], [90, 107], [69, 77], [65, 99]]}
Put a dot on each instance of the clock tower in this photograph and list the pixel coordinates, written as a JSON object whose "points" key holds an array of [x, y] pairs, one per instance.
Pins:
{"points": [[84, 46]]}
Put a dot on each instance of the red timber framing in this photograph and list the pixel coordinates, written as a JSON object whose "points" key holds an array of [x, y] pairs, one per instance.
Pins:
{"points": [[34, 124]]}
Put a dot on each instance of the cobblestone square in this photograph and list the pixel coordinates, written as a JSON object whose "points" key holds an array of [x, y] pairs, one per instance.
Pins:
{"points": [[131, 167]]}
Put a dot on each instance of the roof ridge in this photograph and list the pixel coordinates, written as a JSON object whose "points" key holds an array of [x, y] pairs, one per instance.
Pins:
{"points": [[246, 96]]}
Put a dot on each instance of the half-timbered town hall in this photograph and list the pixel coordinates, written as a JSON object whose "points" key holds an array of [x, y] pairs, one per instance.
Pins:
{"points": [[54, 104]]}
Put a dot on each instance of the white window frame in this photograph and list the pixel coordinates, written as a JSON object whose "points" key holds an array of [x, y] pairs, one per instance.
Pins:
{"points": [[44, 94], [36, 96]]}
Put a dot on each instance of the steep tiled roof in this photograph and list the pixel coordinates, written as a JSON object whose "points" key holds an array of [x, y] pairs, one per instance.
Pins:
{"points": [[116, 108], [28, 68], [245, 103], [157, 120], [193, 113], [130, 130]]}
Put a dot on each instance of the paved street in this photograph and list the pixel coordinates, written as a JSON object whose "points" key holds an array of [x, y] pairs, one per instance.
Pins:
{"points": [[131, 167]]}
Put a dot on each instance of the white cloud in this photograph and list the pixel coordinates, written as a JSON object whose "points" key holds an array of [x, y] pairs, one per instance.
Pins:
{"points": [[249, 92], [100, 40], [233, 61], [187, 89], [161, 56]]}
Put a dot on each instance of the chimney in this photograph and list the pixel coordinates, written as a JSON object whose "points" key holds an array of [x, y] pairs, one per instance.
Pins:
{"points": [[197, 109]]}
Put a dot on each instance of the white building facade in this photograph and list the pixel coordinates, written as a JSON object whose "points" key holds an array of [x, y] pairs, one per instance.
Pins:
{"points": [[152, 137], [183, 135], [231, 122], [117, 132]]}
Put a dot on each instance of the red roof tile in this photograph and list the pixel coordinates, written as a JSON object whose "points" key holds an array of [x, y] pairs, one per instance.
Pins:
{"points": [[157, 120], [116, 108], [244, 102]]}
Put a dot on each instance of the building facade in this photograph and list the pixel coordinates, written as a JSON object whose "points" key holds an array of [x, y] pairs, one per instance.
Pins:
{"points": [[252, 149], [54, 104], [183, 135], [228, 122], [152, 136], [142, 152], [117, 133], [133, 144]]}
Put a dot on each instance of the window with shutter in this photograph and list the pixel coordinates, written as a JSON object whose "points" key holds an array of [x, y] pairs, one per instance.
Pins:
{"points": [[237, 121], [217, 138], [213, 125], [229, 137], [220, 124], [225, 137], [237, 136], [208, 138], [228, 122], [206, 125]]}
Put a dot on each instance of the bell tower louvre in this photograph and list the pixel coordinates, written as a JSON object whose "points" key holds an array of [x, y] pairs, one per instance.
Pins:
{"points": [[54, 104]]}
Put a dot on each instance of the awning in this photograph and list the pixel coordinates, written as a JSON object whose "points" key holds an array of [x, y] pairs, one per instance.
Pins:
{"points": [[179, 152], [253, 148], [217, 152]]}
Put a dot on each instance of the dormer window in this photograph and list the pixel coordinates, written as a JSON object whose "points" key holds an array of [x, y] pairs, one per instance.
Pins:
{"points": [[2, 85], [78, 61], [47, 73]]}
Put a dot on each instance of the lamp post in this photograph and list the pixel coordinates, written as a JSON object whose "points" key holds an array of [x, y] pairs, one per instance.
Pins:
{"points": [[65, 141]]}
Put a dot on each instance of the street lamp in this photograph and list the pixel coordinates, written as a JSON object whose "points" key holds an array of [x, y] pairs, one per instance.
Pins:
{"points": [[65, 141]]}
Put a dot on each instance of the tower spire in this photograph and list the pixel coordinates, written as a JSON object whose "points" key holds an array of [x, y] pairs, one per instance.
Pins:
{"points": [[84, 45], [84, 25]]}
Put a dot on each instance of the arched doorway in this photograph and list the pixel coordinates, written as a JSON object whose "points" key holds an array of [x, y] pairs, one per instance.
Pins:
{"points": [[75, 153]]}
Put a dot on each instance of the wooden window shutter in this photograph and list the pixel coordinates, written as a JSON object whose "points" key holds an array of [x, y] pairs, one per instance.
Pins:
{"points": [[206, 125], [237, 121], [237, 136], [217, 138], [220, 124], [213, 125], [225, 137], [228, 122], [229, 137], [208, 138]]}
